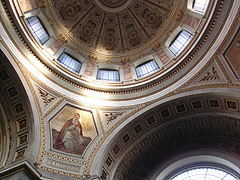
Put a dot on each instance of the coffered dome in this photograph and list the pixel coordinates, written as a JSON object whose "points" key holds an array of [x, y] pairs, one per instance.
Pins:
{"points": [[137, 42], [113, 4], [114, 29], [118, 89], [118, 46]]}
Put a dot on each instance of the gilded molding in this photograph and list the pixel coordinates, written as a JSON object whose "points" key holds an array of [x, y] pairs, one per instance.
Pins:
{"points": [[102, 139], [62, 172], [127, 91], [64, 158]]}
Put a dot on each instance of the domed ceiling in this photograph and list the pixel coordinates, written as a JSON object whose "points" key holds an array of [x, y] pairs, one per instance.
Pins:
{"points": [[194, 95], [114, 29]]}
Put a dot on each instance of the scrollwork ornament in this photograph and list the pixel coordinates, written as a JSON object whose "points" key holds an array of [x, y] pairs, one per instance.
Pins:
{"points": [[46, 97], [111, 116]]}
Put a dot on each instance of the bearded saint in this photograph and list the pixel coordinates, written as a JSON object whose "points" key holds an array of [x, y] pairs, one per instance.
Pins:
{"points": [[70, 137]]}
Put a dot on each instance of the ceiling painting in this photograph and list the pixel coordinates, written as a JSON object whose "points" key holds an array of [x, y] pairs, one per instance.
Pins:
{"points": [[72, 130], [112, 28]]}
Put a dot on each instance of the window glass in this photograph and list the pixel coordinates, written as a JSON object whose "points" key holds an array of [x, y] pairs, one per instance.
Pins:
{"points": [[180, 42], [204, 174], [69, 62], [146, 68], [200, 5], [37, 29], [108, 75]]}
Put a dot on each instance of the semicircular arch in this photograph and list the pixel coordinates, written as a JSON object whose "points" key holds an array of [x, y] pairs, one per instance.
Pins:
{"points": [[190, 115]]}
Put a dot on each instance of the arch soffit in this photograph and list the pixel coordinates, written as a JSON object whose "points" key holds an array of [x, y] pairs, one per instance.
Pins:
{"points": [[20, 110], [189, 105]]}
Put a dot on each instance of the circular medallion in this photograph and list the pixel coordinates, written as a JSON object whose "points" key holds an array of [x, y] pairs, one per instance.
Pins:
{"points": [[133, 35], [151, 18], [87, 31], [110, 39], [70, 11]]}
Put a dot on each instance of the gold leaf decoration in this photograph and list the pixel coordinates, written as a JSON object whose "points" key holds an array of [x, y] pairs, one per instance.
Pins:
{"points": [[111, 116], [211, 75], [46, 97]]}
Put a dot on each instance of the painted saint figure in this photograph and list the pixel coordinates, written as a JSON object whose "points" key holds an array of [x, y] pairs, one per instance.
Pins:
{"points": [[70, 138]]}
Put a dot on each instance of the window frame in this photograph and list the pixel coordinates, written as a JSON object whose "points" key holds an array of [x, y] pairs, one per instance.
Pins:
{"points": [[68, 65], [34, 31], [153, 70], [188, 168], [183, 44], [204, 8], [100, 78]]}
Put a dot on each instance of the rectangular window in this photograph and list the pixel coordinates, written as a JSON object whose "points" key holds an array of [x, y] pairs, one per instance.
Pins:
{"points": [[200, 5], [180, 42], [108, 75], [70, 63], [146, 68], [37, 29]]}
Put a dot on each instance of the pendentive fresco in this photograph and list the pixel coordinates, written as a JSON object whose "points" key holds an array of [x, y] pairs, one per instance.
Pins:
{"points": [[72, 130]]}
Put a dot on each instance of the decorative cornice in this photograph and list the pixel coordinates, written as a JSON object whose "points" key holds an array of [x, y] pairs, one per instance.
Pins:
{"points": [[161, 80], [91, 157], [101, 140]]}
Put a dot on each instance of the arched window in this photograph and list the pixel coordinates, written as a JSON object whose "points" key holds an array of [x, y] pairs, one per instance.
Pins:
{"points": [[70, 63], [146, 68], [180, 42], [200, 5], [37, 29], [108, 75], [204, 173]]}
